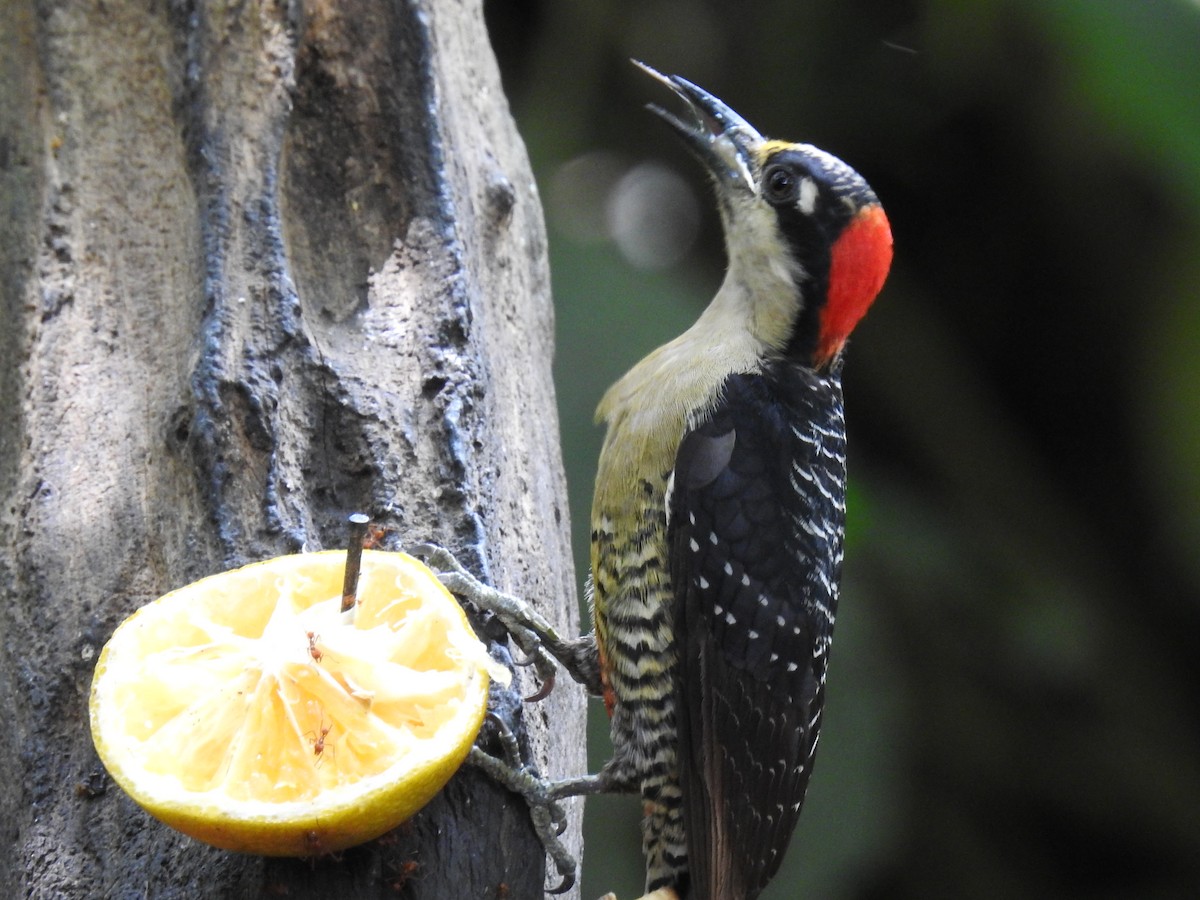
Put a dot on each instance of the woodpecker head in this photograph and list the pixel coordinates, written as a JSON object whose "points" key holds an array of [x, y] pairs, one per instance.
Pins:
{"points": [[809, 245]]}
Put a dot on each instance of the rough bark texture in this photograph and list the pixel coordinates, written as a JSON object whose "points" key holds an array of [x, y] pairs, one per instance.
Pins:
{"points": [[261, 264]]}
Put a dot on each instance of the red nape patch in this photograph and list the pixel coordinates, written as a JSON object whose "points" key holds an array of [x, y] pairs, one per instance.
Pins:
{"points": [[858, 266]]}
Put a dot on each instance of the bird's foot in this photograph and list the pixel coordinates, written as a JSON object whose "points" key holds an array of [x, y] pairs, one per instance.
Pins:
{"points": [[541, 646], [543, 796], [549, 820], [533, 635]]}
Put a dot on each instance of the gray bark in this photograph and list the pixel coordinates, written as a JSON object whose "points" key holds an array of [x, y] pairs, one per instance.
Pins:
{"points": [[261, 265]]}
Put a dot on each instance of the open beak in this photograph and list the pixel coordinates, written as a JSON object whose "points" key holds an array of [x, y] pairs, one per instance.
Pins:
{"points": [[723, 140]]}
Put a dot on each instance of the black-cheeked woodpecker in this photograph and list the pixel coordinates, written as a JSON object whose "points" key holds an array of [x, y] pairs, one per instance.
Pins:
{"points": [[718, 518]]}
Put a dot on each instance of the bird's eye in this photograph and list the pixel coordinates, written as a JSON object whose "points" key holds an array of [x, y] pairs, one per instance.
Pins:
{"points": [[779, 185]]}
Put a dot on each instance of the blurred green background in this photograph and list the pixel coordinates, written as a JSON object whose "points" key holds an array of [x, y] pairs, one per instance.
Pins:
{"points": [[1014, 699]]}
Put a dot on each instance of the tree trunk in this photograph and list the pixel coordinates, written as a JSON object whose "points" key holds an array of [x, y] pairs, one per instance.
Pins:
{"points": [[261, 265]]}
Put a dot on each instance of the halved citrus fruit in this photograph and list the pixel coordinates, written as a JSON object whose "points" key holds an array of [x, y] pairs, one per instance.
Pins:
{"points": [[248, 711]]}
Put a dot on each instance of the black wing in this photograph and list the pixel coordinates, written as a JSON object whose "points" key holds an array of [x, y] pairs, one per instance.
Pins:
{"points": [[756, 525]]}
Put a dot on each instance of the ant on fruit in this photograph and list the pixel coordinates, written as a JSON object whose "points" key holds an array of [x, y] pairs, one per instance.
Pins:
{"points": [[314, 849], [312, 843], [319, 740], [313, 650]]}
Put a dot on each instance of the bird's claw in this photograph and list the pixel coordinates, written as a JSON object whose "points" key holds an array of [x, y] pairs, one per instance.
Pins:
{"points": [[544, 691], [549, 819], [531, 633], [523, 623]]}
